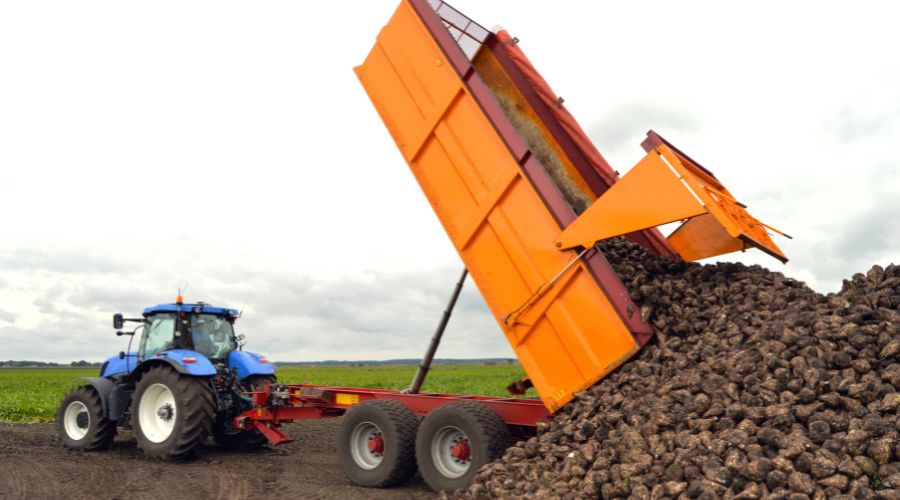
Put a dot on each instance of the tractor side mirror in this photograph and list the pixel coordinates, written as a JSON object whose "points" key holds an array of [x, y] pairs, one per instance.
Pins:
{"points": [[118, 321], [240, 340]]}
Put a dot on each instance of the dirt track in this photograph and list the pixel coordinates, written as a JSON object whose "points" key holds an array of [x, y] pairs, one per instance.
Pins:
{"points": [[33, 464]]}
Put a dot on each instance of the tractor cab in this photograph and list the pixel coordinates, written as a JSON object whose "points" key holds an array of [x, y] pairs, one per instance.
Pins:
{"points": [[199, 327], [198, 339]]}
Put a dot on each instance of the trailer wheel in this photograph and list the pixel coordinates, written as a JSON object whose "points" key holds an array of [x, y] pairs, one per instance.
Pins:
{"points": [[172, 414], [223, 431], [377, 443], [457, 439], [80, 421]]}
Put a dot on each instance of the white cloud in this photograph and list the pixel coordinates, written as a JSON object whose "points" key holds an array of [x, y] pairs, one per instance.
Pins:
{"points": [[230, 146], [287, 314], [7, 316], [626, 123]]}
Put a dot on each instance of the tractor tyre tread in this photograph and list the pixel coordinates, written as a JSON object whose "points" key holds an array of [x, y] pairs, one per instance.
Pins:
{"points": [[103, 430], [196, 408], [402, 424], [488, 433]]}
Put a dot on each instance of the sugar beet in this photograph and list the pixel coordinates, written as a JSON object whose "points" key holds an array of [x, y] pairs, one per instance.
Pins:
{"points": [[756, 386]]}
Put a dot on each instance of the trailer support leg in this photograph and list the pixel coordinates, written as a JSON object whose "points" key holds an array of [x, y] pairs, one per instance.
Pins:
{"points": [[436, 339]]}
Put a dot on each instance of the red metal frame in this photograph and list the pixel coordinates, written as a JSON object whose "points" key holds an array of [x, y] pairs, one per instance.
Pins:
{"points": [[304, 401], [599, 177]]}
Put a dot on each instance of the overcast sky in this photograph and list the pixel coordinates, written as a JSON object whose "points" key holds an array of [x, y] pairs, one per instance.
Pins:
{"points": [[228, 145]]}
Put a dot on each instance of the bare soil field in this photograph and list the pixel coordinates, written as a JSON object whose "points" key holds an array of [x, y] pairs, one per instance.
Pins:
{"points": [[33, 464]]}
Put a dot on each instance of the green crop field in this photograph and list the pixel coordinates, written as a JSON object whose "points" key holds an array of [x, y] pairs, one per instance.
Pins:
{"points": [[32, 394]]}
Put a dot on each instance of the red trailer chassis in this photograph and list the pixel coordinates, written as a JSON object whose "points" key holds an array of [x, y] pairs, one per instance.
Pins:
{"points": [[281, 403]]}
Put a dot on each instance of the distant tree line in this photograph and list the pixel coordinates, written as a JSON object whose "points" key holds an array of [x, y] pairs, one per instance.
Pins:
{"points": [[406, 361], [410, 361], [26, 363]]}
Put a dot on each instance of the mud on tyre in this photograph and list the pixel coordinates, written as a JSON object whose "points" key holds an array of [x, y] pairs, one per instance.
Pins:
{"points": [[172, 413], [457, 439], [81, 423], [376, 443]]}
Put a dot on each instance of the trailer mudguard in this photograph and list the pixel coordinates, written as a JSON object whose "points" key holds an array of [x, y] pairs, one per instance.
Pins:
{"points": [[187, 362], [104, 387], [249, 363]]}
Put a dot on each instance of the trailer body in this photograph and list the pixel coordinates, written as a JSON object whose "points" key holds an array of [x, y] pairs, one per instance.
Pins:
{"points": [[484, 186], [508, 173]]}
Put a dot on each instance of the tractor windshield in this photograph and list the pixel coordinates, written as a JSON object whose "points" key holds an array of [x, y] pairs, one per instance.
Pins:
{"points": [[158, 335], [211, 335]]}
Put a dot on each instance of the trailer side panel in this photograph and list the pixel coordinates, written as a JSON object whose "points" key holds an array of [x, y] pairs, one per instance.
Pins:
{"points": [[566, 333]]}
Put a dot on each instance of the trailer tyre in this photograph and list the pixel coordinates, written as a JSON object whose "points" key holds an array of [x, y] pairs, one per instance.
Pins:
{"points": [[457, 439], [244, 440], [80, 421], [377, 443], [172, 414]]}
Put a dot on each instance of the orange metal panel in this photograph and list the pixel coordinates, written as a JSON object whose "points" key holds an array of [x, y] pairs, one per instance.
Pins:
{"points": [[703, 237], [567, 335], [664, 187], [732, 216], [649, 195]]}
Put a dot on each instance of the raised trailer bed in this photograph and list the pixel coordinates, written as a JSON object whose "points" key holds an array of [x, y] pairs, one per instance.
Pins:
{"points": [[523, 195]]}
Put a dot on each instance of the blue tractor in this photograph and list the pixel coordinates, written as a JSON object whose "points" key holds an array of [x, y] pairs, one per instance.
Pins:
{"points": [[188, 380]]}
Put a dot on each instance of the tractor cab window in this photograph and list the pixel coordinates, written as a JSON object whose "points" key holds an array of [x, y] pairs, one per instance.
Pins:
{"points": [[212, 336], [159, 335]]}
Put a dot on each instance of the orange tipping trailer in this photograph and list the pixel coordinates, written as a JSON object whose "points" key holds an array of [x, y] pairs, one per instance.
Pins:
{"points": [[524, 196]]}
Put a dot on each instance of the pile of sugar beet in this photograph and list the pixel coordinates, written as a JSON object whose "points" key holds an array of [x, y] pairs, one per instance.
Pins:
{"points": [[755, 387]]}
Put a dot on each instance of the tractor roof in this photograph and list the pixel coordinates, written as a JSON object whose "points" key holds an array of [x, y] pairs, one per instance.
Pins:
{"points": [[200, 308]]}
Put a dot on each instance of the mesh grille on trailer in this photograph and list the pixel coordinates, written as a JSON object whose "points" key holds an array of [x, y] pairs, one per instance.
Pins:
{"points": [[468, 34]]}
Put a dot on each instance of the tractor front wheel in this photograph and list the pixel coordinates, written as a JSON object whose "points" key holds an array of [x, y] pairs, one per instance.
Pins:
{"points": [[171, 413], [224, 433], [80, 421]]}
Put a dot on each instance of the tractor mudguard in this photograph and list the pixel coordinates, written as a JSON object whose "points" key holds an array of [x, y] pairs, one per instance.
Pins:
{"points": [[104, 387], [119, 366], [249, 363], [187, 362]]}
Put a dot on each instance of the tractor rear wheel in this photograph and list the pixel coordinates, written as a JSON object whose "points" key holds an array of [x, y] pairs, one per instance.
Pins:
{"points": [[455, 440], [171, 413], [80, 421], [223, 431], [377, 443]]}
